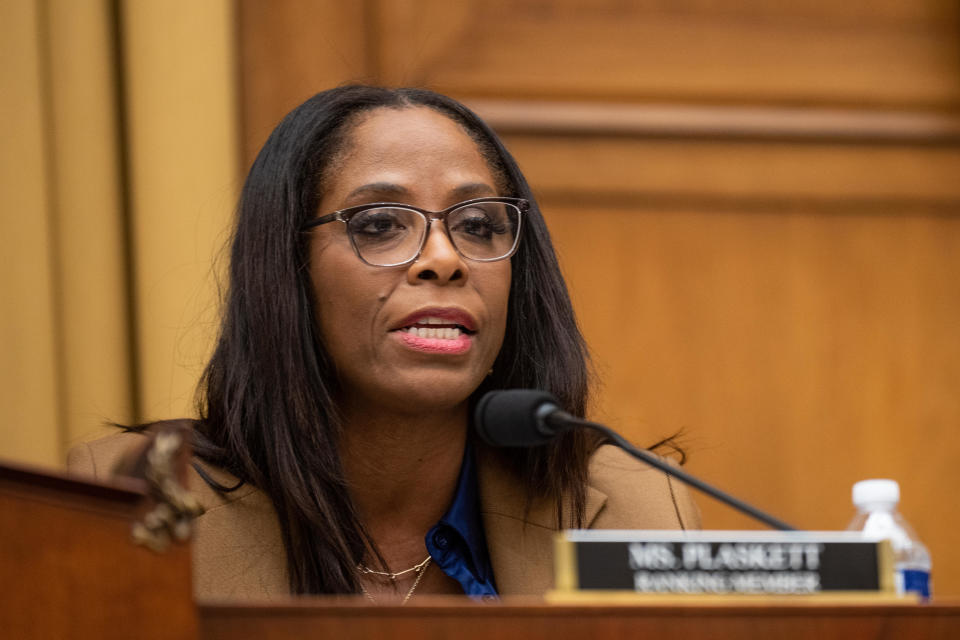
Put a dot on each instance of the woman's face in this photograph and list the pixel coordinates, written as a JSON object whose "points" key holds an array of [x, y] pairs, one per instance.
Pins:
{"points": [[374, 320]]}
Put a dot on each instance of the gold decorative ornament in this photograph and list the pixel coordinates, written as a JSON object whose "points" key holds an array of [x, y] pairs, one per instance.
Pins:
{"points": [[172, 517]]}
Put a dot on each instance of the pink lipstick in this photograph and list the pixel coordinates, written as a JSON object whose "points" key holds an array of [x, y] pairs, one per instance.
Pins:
{"points": [[437, 330]]}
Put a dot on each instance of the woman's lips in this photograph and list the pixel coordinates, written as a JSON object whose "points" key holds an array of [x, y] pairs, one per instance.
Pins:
{"points": [[438, 316], [453, 346], [437, 330]]}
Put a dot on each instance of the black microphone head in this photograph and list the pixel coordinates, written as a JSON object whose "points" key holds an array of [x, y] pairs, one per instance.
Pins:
{"points": [[515, 417]]}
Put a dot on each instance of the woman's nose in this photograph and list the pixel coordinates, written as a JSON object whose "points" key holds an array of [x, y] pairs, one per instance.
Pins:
{"points": [[438, 260]]}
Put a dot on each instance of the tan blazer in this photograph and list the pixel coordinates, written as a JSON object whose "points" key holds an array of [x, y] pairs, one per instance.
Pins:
{"points": [[238, 551]]}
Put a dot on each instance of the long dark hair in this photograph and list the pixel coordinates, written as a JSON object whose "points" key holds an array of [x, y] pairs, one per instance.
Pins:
{"points": [[266, 399]]}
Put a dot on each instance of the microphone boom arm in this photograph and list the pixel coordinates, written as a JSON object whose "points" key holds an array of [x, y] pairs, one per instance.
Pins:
{"points": [[561, 419]]}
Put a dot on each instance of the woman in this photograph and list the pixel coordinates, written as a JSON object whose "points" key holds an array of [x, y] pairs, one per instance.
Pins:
{"points": [[334, 432]]}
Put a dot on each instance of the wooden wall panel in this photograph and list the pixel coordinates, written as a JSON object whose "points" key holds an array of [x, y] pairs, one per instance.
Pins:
{"points": [[860, 52], [798, 351], [897, 53], [792, 307], [756, 206], [289, 50], [713, 171]]}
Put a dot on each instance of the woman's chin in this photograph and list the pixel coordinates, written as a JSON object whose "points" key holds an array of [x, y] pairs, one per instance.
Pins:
{"points": [[424, 392]]}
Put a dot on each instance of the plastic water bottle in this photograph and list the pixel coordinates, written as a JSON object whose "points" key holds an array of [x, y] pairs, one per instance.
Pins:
{"points": [[877, 516]]}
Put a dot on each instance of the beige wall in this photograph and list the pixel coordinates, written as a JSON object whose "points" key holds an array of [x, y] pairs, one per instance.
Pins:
{"points": [[182, 147], [29, 389], [118, 175]]}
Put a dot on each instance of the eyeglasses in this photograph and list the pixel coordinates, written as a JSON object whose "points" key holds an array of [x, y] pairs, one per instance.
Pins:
{"points": [[391, 235]]}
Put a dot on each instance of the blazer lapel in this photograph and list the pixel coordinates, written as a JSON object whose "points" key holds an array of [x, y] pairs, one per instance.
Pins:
{"points": [[521, 540], [238, 547]]}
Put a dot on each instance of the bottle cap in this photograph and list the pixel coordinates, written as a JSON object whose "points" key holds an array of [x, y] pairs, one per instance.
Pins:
{"points": [[876, 492]]}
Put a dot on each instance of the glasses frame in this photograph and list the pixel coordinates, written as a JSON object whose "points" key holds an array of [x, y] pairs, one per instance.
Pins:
{"points": [[344, 215]]}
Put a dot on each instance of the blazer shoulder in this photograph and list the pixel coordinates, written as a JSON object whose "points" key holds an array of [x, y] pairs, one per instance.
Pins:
{"points": [[639, 496], [97, 459], [238, 549]]}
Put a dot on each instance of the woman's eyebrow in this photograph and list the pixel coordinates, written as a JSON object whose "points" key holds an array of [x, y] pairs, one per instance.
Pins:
{"points": [[473, 190], [381, 190], [389, 191]]}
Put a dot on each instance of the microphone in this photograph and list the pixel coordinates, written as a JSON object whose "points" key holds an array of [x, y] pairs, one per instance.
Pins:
{"points": [[516, 418], [529, 417]]}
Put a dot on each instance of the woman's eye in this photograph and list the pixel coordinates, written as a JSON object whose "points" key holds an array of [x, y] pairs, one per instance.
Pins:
{"points": [[478, 225], [376, 224]]}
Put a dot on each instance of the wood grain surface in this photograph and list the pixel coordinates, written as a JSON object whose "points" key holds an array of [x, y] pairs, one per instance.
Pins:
{"points": [[527, 620], [70, 569], [755, 206]]}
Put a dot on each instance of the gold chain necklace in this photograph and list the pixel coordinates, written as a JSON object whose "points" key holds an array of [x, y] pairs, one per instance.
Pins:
{"points": [[419, 569], [362, 568]]}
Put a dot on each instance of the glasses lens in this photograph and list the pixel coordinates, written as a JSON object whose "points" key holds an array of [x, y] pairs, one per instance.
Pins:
{"points": [[388, 235], [485, 230]]}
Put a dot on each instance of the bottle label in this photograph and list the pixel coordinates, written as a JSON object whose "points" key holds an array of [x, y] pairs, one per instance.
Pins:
{"points": [[916, 581]]}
